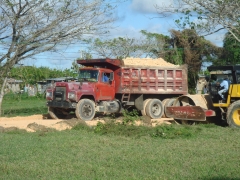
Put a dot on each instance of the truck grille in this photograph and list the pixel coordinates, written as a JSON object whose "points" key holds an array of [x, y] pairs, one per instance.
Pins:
{"points": [[60, 94]]}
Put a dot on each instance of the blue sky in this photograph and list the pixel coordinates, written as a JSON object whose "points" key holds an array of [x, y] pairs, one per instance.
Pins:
{"points": [[133, 16]]}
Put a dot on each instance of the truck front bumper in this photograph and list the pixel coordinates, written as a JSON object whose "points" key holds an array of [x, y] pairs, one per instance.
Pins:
{"points": [[62, 104]]}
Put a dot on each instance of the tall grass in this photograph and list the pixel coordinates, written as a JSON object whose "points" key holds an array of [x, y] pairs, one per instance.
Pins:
{"points": [[201, 152]]}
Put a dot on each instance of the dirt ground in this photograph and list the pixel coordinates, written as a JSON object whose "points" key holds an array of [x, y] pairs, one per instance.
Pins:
{"points": [[43, 122]]}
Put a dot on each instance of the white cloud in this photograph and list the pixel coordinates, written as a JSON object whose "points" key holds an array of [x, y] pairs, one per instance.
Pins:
{"points": [[149, 6], [129, 32], [134, 32]]}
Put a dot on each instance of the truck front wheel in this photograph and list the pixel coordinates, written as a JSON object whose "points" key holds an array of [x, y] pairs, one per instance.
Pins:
{"points": [[85, 109], [154, 109]]}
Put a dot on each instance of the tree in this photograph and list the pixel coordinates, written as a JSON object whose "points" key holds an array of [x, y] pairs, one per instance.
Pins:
{"points": [[30, 27], [212, 15], [75, 66], [148, 45], [231, 47], [31, 74], [182, 47], [194, 51], [163, 47], [115, 48]]}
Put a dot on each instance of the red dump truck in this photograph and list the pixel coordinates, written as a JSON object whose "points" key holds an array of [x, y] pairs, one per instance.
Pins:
{"points": [[110, 86]]}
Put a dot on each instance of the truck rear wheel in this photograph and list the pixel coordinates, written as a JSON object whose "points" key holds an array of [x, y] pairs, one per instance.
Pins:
{"points": [[56, 113], [164, 103], [233, 115], [144, 106], [154, 109], [85, 109]]}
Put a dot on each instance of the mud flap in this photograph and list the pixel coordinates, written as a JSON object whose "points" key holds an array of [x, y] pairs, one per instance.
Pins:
{"points": [[194, 113]]}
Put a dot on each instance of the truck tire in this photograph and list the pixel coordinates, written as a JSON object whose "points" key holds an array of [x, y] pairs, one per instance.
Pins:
{"points": [[164, 104], [154, 109], [144, 107], [233, 115], [56, 113], [85, 109]]}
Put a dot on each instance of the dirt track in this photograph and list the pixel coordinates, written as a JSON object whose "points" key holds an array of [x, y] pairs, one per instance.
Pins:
{"points": [[28, 123], [39, 122]]}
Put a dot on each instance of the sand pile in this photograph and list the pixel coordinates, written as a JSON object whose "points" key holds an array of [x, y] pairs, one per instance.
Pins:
{"points": [[148, 62]]}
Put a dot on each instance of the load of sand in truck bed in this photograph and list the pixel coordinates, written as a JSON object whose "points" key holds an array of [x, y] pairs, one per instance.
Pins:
{"points": [[147, 62]]}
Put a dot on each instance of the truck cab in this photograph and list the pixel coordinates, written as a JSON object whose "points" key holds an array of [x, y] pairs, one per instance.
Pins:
{"points": [[101, 82], [93, 84]]}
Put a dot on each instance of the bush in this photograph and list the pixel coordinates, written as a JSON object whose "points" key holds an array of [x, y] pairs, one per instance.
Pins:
{"points": [[129, 130], [130, 116]]}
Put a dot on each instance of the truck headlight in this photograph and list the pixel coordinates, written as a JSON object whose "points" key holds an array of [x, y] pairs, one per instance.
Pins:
{"points": [[49, 95], [72, 95]]}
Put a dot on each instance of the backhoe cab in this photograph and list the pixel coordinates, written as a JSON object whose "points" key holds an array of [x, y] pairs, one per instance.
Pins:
{"points": [[217, 74], [229, 109]]}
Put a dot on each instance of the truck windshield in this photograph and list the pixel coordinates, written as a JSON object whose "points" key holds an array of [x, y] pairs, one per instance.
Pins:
{"points": [[88, 75]]}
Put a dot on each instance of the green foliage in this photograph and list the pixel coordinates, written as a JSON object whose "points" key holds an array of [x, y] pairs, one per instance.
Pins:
{"points": [[75, 66], [121, 129], [195, 51], [102, 128], [130, 130], [231, 54], [32, 74], [172, 132], [130, 116], [82, 126]]}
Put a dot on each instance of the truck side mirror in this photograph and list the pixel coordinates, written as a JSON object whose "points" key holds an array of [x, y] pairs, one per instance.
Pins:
{"points": [[111, 76]]}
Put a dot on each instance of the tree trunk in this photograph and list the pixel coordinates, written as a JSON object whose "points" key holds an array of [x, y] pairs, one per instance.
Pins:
{"points": [[3, 84]]}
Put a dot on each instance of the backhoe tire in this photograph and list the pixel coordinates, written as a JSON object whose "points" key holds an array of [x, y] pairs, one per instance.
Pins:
{"points": [[144, 107], [56, 113], [154, 109], [233, 115], [85, 110]]}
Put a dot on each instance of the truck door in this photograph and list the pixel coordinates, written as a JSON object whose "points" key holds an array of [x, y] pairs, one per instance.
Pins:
{"points": [[106, 87]]}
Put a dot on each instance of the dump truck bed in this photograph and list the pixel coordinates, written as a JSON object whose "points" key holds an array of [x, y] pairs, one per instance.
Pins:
{"points": [[147, 79], [152, 80]]}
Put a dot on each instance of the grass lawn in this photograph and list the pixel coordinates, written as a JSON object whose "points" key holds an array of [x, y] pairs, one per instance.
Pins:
{"points": [[205, 152], [111, 151], [22, 105]]}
